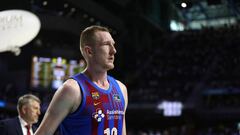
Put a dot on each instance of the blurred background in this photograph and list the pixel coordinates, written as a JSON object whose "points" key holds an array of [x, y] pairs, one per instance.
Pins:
{"points": [[179, 59]]}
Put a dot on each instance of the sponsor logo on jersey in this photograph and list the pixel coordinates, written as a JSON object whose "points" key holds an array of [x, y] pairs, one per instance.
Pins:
{"points": [[114, 114], [116, 98], [96, 103], [95, 95], [98, 115], [110, 114]]}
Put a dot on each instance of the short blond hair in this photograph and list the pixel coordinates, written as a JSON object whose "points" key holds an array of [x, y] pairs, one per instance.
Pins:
{"points": [[25, 99]]}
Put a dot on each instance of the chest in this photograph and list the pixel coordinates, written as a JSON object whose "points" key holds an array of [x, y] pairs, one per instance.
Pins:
{"points": [[111, 103]]}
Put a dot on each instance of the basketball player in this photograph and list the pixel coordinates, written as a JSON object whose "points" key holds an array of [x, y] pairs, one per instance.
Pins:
{"points": [[92, 102]]}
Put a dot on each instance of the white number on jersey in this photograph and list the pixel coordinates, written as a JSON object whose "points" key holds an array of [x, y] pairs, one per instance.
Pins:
{"points": [[112, 132]]}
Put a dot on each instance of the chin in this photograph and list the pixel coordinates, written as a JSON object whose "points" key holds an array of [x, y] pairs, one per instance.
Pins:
{"points": [[35, 121], [109, 67]]}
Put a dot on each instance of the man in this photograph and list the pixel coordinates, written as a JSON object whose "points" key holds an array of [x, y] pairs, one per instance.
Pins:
{"points": [[28, 108], [92, 102]]}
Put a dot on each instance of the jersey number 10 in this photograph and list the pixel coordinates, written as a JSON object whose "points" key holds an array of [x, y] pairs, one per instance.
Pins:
{"points": [[113, 131]]}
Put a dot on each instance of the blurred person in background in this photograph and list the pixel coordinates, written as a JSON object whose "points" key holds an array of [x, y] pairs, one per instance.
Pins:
{"points": [[28, 108], [91, 102]]}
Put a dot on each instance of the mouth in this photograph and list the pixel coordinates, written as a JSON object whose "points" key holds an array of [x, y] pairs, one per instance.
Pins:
{"points": [[111, 58]]}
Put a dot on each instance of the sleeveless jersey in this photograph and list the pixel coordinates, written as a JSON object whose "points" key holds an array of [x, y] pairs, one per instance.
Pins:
{"points": [[101, 111]]}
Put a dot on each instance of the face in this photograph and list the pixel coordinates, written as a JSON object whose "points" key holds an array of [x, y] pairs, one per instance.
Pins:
{"points": [[31, 112], [104, 50]]}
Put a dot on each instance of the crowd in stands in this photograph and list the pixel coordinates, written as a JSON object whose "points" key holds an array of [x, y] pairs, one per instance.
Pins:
{"points": [[179, 62]]}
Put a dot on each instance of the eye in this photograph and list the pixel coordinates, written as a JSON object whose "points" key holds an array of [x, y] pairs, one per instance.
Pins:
{"points": [[109, 43]]}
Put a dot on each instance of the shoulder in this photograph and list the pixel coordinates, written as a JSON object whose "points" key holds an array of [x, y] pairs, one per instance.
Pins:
{"points": [[15, 119], [69, 91], [9, 121], [121, 85], [69, 94], [124, 90], [69, 87], [70, 83]]}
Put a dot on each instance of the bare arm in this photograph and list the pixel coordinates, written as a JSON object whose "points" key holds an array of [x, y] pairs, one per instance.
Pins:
{"points": [[124, 130], [65, 100], [125, 95]]}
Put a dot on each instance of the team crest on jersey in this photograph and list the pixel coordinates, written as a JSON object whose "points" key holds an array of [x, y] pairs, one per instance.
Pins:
{"points": [[95, 95], [98, 115], [116, 98]]}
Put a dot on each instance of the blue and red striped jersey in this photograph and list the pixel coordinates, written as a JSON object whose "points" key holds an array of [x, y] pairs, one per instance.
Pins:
{"points": [[101, 111]]}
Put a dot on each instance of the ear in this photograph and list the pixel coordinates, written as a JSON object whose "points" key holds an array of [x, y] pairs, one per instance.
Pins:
{"points": [[88, 50], [24, 109]]}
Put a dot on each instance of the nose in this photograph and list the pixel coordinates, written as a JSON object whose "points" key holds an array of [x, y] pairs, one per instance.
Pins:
{"points": [[113, 49]]}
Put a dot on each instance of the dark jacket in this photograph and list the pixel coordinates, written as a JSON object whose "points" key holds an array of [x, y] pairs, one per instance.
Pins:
{"points": [[11, 127]]}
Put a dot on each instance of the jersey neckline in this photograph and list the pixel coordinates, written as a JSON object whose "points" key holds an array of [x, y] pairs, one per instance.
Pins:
{"points": [[97, 87]]}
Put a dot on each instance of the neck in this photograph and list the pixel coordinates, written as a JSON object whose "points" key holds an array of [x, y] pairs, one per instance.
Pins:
{"points": [[99, 78]]}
